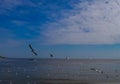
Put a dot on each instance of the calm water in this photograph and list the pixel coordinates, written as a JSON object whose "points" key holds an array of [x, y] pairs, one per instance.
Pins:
{"points": [[49, 71]]}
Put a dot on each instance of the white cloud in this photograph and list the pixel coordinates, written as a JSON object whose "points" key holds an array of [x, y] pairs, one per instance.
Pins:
{"points": [[95, 22], [7, 6]]}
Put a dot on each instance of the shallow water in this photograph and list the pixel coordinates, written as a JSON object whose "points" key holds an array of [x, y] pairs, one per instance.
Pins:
{"points": [[59, 71]]}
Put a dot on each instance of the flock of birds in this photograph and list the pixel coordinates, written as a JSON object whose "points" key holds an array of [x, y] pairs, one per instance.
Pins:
{"points": [[51, 55], [103, 73], [99, 71], [33, 51]]}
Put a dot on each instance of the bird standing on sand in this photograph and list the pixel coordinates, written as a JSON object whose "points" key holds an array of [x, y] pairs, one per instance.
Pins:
{"points": [[32, 50]]}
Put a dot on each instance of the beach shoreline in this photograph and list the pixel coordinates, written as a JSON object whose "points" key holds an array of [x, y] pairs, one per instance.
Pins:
{"points": [[60, 71]]}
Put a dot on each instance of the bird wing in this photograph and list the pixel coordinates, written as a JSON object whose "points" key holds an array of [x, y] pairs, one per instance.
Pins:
{"points": [[31, 47], [35, 53], [32, 50]]}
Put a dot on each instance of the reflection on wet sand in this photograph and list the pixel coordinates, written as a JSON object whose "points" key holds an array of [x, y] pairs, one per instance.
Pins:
{"points": [[59, 71]]}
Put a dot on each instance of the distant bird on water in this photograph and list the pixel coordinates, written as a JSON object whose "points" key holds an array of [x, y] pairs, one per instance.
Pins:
{"points": [[32, 50]]}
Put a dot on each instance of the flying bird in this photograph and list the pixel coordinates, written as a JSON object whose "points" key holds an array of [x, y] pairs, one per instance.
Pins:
{"points": [[51, 55], [32, 50]]}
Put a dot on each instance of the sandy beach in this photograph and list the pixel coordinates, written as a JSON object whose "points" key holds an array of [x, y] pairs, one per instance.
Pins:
{"points": [[60, 71]]}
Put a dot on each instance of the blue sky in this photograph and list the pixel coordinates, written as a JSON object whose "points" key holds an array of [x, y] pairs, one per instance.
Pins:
{"points": [[72, 28]]}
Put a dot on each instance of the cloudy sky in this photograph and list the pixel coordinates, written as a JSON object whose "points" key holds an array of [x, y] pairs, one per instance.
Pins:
{"points": [[72, 28]]}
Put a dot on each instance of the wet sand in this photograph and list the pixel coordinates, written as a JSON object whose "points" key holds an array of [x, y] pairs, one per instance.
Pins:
{"points": [[60, 81], [60, 71], [52, 81]]}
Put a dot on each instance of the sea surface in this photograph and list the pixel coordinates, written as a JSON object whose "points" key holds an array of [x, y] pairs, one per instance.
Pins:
{"points": [[59, 71]]}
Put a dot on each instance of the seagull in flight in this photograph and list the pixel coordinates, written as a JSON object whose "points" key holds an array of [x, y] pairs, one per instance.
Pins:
{"points": [[51, 55], [32, 50]]}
